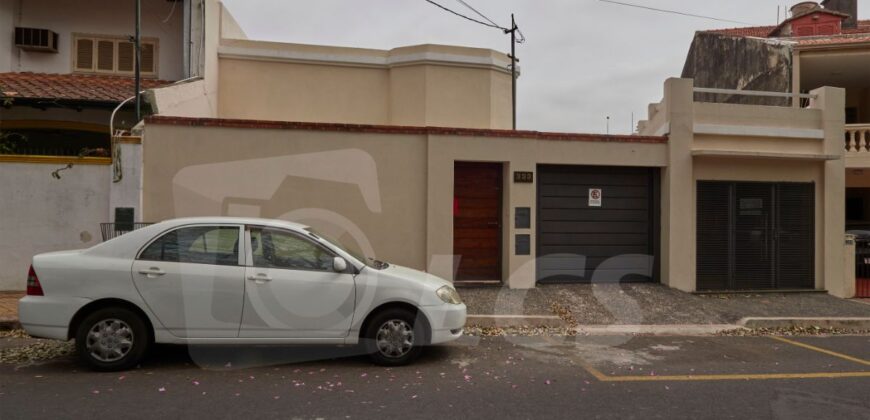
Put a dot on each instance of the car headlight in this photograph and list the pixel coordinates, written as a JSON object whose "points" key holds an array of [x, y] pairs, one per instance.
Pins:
{"points": [[448, 295]]}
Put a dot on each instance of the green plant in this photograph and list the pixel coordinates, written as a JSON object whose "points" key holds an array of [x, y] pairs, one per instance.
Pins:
{"points": [[9, 142]]}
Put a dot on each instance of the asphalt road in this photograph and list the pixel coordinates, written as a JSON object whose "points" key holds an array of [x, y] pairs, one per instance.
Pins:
{"points": [[522, 377]]}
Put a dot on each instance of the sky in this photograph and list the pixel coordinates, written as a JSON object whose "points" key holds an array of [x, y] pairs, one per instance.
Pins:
{"points": [[583, 60]]}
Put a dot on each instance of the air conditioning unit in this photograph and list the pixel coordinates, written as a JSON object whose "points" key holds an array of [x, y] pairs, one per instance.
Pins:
{"points": [[33, 39]]}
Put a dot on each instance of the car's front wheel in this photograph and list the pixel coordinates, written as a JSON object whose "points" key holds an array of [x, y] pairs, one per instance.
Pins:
{"points": [[112, 339], [395, 337]]}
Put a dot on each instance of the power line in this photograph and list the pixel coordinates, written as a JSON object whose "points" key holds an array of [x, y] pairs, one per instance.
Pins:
{"points": [[466, 17], [513, 31], [479, 14], [675, 12]]}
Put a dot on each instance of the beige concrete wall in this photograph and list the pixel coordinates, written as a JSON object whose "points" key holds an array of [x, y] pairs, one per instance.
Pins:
{"points": [[516, 154], [343, 183], [757, 116], [425, 85], [190, 99], [709, 141], [396, 190], [303, 92]]}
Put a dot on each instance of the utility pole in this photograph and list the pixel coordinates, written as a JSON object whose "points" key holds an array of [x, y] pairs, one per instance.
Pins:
{"points": [[137, 67], [513, 32]]}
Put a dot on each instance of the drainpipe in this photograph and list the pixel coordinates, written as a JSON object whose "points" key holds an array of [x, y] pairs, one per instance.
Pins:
{"points": [[137, 68]]}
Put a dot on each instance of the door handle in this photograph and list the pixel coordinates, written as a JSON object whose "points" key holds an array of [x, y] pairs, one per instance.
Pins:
{"points": [[260, 278], [152, 272]]}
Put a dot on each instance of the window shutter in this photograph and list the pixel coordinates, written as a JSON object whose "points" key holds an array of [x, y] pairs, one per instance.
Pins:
{"points": [[148, 58], [713, 235], [84, 54], [126, 54], [105, 55]]}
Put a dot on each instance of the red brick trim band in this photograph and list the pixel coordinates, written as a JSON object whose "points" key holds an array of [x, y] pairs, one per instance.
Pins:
{"points": [[397, 129]]}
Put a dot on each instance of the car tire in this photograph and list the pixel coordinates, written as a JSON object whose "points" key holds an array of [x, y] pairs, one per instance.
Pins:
{"points": [[112, 339], [388, 333]]}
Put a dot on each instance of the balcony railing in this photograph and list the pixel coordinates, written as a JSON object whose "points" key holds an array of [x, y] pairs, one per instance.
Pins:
{"points": [[858, 138], [113, 230]]}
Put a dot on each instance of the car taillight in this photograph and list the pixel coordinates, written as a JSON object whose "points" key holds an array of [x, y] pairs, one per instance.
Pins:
{"points": [[33, 286]]}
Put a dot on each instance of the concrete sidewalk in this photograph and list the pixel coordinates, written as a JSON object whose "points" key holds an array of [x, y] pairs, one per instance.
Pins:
{"points": [[643, 304], [9, 309]]}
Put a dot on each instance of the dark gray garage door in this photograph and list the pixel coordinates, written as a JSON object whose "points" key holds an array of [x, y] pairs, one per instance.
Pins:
{"points": [[577, 242], [755, 235]]}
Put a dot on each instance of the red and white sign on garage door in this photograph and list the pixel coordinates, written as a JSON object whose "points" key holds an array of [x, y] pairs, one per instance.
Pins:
{"points": [[595, 197]]}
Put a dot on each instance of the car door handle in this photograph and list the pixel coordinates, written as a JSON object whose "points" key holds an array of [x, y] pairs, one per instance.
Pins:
{"points": [[260, 278], [152, 272]]}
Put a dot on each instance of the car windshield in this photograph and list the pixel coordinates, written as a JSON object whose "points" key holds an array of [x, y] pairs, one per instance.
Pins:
{"points": [[370, 262]]}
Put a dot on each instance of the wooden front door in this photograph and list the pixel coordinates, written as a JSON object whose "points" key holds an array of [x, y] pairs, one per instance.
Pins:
{"points": [[477, 220]]}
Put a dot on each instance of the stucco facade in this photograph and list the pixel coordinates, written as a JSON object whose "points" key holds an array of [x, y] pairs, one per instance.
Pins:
{"points": [[390, 190]]}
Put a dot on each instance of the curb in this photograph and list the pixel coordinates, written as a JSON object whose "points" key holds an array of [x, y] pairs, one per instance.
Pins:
{"points": [[856, 323], [515, 321], [674, 329]]}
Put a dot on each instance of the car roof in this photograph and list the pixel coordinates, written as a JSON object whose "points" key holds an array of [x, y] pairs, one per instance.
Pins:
{"points": [[233, 220]]}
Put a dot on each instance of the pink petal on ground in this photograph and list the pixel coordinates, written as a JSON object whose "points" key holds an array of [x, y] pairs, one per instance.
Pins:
{"points": [[161, 389], [548, 382], [196, 383]]}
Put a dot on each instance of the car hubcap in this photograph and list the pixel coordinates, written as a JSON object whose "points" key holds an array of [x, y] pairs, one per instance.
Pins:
{"points": [[395, 338], [109, 340]]}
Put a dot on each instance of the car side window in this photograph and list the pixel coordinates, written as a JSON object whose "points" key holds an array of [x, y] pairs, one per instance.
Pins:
{"points": [[217, 245], [277, 249]]}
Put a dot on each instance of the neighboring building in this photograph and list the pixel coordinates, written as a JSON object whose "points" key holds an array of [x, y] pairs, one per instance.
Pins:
{"points": [[818, 45], [71, 66], [65, 65]]}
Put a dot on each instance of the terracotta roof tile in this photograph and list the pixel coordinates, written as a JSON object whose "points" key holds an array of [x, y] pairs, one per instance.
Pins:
{"points": [[80, 87], [765, 31]]}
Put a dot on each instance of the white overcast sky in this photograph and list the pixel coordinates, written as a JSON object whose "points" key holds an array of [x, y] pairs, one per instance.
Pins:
{"points": [[583, 60]]}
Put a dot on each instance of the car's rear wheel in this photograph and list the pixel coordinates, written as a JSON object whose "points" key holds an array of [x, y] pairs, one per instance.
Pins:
{"points": [[112, 339], [395, 337]]}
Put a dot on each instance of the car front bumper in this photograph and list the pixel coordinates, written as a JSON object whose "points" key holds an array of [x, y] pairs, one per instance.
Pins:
{"points": [[446, 321]]}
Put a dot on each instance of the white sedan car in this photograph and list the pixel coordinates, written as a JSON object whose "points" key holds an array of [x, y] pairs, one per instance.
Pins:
{"points": [[222, 280]]}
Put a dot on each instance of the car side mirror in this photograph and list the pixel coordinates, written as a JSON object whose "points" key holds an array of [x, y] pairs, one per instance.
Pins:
{"points": [[339, 264]]}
